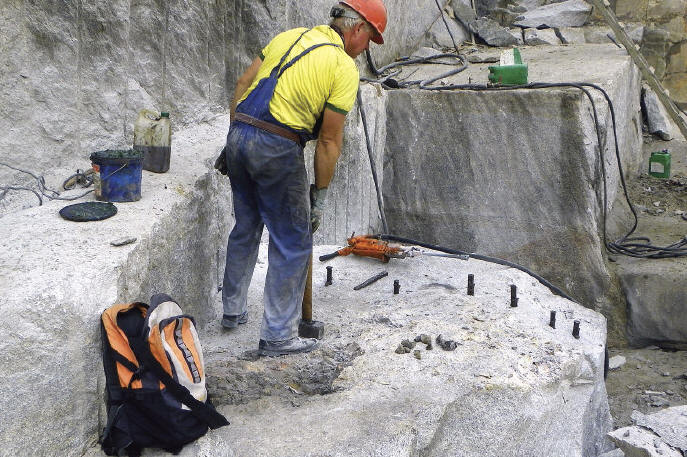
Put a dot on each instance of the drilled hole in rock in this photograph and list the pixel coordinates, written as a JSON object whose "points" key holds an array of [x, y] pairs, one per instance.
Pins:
{"points": [[238, 381]]}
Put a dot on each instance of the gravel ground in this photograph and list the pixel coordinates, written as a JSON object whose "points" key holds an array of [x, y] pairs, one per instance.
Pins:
{"points": [[650, 380]]}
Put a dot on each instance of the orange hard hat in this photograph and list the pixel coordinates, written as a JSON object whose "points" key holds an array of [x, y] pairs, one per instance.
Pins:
{"points": [[374, 12]]}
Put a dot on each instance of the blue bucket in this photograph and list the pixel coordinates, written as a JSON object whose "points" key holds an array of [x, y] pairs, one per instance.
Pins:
{"points": [[120, 175]]}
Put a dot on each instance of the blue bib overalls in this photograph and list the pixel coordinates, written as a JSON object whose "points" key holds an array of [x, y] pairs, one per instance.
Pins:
{"points": [[270, 187]]}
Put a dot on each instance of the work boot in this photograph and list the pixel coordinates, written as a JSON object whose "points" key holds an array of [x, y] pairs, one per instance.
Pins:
{"points": [[234, 321], [285, 347]]}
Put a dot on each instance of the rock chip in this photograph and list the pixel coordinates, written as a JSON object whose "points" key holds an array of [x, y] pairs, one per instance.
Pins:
{"points": [[616, 362]]}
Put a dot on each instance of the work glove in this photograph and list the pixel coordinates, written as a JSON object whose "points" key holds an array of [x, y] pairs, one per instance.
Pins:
{"points": [[221, 162], [317, 198]]}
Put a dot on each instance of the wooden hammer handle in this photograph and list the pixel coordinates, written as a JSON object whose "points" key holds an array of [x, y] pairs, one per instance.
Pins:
{"points": [[307, 294]]}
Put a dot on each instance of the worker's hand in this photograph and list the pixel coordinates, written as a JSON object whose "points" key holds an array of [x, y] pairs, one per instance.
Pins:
{"points": [[221, 162], [317, 198]]}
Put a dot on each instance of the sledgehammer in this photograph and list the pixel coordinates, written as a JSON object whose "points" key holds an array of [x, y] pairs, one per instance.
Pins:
{"points": [[309, 328]]}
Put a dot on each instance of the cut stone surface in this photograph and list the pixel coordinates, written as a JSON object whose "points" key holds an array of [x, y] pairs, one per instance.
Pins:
{"points": [[493, 33], [570, 13], [656, 116], [511, 371], [534, 37]]}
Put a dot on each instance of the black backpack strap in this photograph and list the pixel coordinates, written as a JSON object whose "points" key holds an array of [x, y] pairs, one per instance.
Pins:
{"points": [[201, 410]]}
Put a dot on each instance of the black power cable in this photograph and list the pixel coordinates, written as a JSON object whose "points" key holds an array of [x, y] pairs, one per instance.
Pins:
{"points": [[399, 239]]}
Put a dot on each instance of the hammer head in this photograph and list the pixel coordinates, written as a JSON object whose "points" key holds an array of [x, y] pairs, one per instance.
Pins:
{"points": [[311, 329]]}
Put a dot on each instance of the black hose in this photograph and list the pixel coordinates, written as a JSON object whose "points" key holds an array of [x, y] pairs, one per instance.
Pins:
{"points": [[370, 155], [551, 287]]}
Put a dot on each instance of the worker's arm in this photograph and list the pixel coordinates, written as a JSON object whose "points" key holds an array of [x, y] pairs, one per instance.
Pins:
{"points": [[244, 83], [328, 147], [327, 152]]}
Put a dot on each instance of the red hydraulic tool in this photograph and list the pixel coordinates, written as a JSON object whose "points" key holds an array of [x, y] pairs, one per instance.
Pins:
{"points": [[369, 246], [366, 246]]}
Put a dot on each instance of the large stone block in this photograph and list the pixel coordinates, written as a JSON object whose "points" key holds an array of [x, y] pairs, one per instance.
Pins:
{"points": [[570, 13], [492, 198], [56, 277], [513, 386]]}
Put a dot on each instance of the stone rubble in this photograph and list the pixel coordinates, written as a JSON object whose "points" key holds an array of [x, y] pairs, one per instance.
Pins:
{"points": [[662, 434]]}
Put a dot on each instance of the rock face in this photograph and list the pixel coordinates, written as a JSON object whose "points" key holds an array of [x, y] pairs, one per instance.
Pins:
{"points": [[513, 385], [570, 13], [76, 74]]}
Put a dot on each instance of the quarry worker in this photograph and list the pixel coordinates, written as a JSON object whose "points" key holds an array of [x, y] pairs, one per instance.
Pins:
{"points": [[299, 88]]}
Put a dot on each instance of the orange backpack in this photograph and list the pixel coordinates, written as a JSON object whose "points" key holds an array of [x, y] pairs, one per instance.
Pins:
{"points": [[155, 375]]}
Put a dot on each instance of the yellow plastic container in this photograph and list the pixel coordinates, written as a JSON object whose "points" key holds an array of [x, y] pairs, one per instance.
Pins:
{"points": [[153, 137]]}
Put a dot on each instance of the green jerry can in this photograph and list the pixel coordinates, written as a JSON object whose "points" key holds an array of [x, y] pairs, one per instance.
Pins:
{"points": [[659, 164], [511, 71]]}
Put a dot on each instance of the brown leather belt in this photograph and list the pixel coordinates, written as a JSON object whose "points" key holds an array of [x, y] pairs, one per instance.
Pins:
{"points": [[269, 127]]}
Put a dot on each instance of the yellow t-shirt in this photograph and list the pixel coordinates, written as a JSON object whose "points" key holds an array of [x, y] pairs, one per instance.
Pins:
{"points": [[324, 77]]}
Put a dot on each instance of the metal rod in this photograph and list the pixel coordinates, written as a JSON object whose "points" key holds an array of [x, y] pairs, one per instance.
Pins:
{"points": [[471, 284], [513, 296], [328, 282], [552, 319], [397, 287], [367, 282], [576, 329]]}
